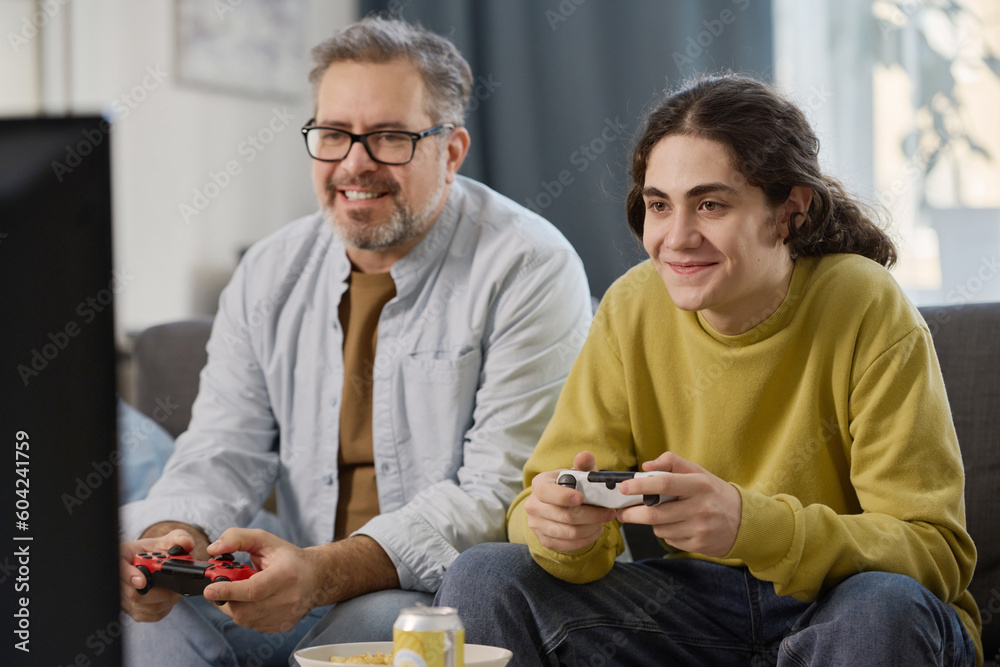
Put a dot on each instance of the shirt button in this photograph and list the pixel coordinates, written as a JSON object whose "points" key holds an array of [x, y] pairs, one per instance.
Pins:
{"points": [[328, 479], [334, 401], [386, 467]]}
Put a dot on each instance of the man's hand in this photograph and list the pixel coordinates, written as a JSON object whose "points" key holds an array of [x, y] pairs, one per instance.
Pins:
{"points": [[556, 513], [158, 602], [292, 581], [704, 519]]}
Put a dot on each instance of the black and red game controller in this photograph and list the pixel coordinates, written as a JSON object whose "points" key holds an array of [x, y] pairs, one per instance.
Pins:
{"points": [[179, 572]]}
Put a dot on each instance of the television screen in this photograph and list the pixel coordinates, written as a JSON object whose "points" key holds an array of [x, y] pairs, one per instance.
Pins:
{"points": [[58, 553]]}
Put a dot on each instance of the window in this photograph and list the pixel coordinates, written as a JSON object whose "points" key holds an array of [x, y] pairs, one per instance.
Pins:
{"points": [[912, 90]]}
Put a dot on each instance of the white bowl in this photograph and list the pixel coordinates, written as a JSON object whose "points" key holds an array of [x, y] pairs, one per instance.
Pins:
{"points": [[476, 655]]}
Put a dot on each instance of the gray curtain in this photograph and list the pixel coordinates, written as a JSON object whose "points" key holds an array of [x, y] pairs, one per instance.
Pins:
{"points": [[560, 89]]}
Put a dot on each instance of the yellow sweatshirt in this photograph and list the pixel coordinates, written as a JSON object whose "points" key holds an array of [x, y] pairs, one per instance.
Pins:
{"points": [[830, 418]]}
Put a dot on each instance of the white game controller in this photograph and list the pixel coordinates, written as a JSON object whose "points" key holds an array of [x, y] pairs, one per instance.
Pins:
{"points": [[600, 487]]}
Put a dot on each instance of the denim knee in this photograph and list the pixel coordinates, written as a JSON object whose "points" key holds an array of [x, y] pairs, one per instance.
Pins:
{"points": [[490, 566], [893, 597], [879, 618]]}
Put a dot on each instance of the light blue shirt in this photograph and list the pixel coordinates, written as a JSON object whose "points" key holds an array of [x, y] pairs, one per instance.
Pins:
{"points": [[491, 309]]}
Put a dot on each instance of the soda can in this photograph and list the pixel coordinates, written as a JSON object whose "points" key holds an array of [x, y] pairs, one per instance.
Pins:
{"points": [[428, 637]]}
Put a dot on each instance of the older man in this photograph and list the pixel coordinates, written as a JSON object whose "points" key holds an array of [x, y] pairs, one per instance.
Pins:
{"points": [[389, 362]]}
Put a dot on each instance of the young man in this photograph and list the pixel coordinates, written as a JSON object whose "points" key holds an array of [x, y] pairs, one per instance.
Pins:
{"points": [[765, 359], [389, 362]]}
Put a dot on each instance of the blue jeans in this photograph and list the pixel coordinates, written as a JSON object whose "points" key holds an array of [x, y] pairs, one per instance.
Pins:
{"points": [[689, 612], [196, 634]]}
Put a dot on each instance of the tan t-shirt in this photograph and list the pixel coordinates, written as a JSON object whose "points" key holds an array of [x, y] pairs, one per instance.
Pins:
{"points": [[360, 308]]}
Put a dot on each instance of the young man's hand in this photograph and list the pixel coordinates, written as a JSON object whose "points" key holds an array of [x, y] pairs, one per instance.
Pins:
{"points": [[556, 513], [704, 519]]}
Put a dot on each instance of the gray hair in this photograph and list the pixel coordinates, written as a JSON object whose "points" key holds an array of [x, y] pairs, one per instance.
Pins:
{"points": [[376, 39]]}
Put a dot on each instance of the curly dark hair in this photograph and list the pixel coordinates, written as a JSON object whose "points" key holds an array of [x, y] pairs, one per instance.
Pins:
{"points": [[772, 145]]}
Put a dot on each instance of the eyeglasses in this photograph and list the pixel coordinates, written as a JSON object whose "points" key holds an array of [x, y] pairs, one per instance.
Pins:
{"points": [[394, 147]]}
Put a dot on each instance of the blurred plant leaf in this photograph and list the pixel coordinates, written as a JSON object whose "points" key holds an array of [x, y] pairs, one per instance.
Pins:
{"points": [[932, 160], [911, 143], [977, 148], [993, 63]]}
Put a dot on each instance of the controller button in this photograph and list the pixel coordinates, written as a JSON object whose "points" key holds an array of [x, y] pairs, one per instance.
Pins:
{"points": [[176, 550], [149, 579], [567, 480], [228, 557]]}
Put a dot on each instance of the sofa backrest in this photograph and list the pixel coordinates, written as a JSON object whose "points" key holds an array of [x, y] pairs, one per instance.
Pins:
{"points": [[967, 341], [168, 359]]}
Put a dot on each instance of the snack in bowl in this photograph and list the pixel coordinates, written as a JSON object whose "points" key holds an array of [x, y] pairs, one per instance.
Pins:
{"points": [[366, 658], [476, 655]]}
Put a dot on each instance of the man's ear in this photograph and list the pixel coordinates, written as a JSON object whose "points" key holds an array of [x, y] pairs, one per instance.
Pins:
{"points": [[798, 201], [457, 148]]}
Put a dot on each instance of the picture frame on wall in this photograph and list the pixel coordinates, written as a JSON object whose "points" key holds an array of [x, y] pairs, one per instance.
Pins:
{"points": [[254, 48]]}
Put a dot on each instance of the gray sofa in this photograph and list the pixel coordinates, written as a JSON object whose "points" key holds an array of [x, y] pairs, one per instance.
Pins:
{"points": [[168, 358]]}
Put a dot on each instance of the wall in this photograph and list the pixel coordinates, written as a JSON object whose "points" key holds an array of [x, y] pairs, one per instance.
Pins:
{"points": [[181, 217]]}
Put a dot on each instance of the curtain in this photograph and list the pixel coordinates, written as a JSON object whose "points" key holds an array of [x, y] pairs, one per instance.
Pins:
{"points": [[560, 89]]}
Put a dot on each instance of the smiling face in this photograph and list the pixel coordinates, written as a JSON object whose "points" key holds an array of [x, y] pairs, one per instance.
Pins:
{"points": [[714, 239], [379, 211]]}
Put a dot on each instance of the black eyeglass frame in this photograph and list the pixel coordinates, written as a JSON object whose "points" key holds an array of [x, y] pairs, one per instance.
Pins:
{"points": [[363, 140]]}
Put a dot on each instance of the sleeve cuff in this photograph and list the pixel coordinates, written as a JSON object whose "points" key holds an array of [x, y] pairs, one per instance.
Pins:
{"points": [[417, 544], [134, 518], [579, 566], [767, 528]]}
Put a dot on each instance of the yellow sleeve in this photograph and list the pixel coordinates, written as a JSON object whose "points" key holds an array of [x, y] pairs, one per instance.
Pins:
{"points": [[592, 414], [906, 469]]}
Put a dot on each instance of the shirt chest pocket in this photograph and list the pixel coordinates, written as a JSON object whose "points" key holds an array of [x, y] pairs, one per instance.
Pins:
{"points": [[433, 403]]}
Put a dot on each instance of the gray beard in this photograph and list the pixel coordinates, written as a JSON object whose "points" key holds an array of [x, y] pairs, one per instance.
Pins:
{"points": [[403, 225]]}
